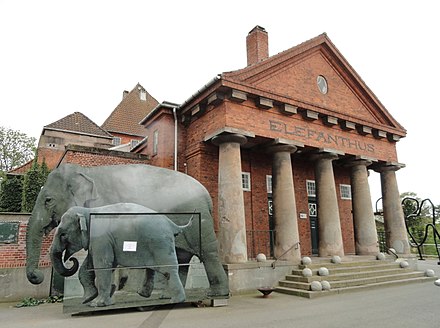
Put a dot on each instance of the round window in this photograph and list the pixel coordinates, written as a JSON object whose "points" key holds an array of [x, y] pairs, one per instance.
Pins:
{"points": [[322, 84]]}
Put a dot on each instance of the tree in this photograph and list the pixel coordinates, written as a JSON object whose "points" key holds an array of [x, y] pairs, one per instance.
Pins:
{"points": [[44, 172], [16, 149], [34, 179], [10, 193], [31, 187]]}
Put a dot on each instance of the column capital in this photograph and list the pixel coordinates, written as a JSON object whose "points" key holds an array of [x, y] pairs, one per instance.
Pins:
{"points": [[389, 166], [230, 137], [278, 148], [324, 155], [357, 162]]}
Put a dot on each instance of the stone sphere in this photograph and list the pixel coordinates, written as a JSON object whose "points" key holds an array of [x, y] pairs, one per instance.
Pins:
{"points": [[306, 260], [325, 285], [429, 273], [307, 272], [404, 264], [261, 257], [336, 259], [316, 286], [380, 256], [437, 282], [392, 251], [323, 271]]}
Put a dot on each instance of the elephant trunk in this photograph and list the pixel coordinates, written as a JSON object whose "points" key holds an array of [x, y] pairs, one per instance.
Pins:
{"points": [[34, 237], [58, 264]]}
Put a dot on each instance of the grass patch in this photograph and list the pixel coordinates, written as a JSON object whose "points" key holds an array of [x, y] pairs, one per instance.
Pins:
{"points": [[30, 301]]}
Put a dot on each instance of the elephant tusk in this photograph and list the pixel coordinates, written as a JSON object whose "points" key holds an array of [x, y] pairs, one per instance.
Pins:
{"points": [[67, 255]]}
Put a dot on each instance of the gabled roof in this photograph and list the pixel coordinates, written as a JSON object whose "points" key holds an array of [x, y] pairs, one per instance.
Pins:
{"points": [[131, 110], [300, 66], [77, 123]]}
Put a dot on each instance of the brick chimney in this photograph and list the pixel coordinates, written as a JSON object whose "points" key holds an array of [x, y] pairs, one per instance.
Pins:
{"points": [[257, 45]]}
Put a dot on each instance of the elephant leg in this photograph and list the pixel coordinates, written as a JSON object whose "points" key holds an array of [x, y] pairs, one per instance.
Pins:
{"points": [[122, 278], [147, 284], [87, 279], [105, 286], [218, 280], [183, 257], [105, 261], [174, 285]]}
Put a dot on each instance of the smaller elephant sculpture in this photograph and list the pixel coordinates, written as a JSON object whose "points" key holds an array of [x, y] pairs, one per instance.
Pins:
{"points": [[140, 240]]}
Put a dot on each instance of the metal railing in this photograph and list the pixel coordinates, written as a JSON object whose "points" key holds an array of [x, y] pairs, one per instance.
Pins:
{"points": [[381, 239], [418, 206]]}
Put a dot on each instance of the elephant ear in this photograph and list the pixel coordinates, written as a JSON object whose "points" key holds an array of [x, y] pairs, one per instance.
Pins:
{"points": [[83, 189], [84, 231]]}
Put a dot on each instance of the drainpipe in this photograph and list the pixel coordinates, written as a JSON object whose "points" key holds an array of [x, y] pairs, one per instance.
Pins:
{"points": [[175, 138]]}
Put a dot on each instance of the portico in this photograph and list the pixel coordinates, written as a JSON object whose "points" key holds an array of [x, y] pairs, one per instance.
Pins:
{"points": [[292, 240]]}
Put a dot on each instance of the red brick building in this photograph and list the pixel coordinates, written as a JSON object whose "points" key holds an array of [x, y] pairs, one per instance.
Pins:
{"points": [[123, 122], [295, 133]]}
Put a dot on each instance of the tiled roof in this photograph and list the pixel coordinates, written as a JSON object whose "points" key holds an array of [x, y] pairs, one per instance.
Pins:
{"points": [[79, 123], [131, 110]]}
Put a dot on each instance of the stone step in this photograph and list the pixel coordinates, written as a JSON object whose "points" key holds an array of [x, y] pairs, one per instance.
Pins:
{"points": [[376, 279], [329, 264], [354, 280], [333, 291], [352, 267], [348, 275]]}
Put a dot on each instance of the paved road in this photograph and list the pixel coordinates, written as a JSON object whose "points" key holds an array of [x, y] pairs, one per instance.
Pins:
{"points": [[415, 306]]}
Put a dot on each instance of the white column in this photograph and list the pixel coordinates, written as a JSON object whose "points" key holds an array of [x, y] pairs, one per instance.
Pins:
{"points": [[330, 233], [363, 215], [232, 234], [287, 245], [394, 220]]}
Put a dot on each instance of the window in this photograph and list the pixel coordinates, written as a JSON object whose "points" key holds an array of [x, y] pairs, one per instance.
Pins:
{"points": [[116, 141], [311, 188], [345, 191], [155, 141], [269, 184], [246, 181], [143, 95], [133, 143], [322, 84]]}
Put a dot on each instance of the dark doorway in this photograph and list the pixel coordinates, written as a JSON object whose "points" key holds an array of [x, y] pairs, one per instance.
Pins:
{"points": [[314, 228], [271, 225]]}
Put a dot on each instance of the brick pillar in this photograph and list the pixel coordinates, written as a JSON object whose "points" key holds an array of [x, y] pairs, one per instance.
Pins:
{"points": [[284, 206], [330, 233], [394, 221], [232, 234], [363, 215]]}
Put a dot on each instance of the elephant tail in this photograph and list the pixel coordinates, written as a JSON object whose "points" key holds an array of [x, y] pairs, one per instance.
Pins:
{"points": [[180, 229]]}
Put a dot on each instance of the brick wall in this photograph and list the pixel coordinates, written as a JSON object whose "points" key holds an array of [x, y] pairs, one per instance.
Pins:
{"points": [[163, 125], [89, 156], [14, 255], [272, 124]]}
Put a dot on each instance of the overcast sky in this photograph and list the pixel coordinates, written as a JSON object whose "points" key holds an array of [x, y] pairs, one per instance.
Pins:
{"points": [[58, 57]]}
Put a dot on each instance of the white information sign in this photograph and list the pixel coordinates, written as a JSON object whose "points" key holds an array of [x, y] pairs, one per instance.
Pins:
{"points": [[129, 246]]}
